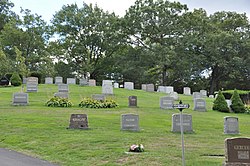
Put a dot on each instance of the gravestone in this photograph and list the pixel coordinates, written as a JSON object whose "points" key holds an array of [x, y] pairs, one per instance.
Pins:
{"points": [[229, 103], [107, 89], [130, 122], [150, 88], [129, 85], [20, 99], [62, 95], [4, 81], [174, 95], [48, 80], [99, 97], [107, 82], [203, 93], [132, 100], [58, 80], [161, 89], [92, 82], [187, 123], [143, 87], [78, 121], [166, 102], [169, 89], [237, 152], [200, 105], [231, 125], [211, 96], [63, 88], [187, 91], [32, 84], [116, 85], [83, 82], [24, 80], [197, 95], [71, 81]]}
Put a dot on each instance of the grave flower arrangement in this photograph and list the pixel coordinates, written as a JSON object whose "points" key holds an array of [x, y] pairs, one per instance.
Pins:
{"points": [[136, 148]]}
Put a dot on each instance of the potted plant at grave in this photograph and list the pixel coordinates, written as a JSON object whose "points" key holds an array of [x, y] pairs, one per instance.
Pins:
{"points": [[136, 148]]}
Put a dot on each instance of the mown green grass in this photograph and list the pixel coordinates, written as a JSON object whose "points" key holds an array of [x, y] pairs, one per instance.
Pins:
{"points": [[40, 131]]}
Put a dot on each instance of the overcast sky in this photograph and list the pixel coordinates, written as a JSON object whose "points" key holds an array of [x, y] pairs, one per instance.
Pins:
{"points": [[46, 8]]}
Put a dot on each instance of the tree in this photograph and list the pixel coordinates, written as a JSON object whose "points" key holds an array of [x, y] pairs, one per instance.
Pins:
{"points": [[4, 63], [20, 63], [220, 103], [237, 104], [5, 12], [155, 25], [87, 36]]}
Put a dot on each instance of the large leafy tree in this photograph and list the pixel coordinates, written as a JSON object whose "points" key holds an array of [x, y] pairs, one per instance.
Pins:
{"points": [[155, 25], [29, 35], [87, 36], [5, 12]]}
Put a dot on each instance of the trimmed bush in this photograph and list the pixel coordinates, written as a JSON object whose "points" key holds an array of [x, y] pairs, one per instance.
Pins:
{"points": [[15, 80], [237, 104], [59, 102], [220, 103], [91, 103]]}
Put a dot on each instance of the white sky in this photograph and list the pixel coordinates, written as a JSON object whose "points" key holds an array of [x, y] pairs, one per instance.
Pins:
{"points": [[46, 8]]}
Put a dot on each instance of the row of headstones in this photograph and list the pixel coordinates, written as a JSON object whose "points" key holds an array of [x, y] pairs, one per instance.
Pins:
{"points": [[131, 122], [59, 80], [237, 149]]}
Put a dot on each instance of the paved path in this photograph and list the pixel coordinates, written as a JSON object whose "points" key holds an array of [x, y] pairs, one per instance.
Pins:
{"points": [[12, 158]]}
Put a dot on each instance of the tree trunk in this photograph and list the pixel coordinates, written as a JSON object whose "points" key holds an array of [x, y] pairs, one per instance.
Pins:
{"points": [[164, 75], [214, 82]]}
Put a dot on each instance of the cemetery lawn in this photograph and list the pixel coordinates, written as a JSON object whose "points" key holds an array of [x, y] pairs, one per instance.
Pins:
{"points": [[40, 131]]}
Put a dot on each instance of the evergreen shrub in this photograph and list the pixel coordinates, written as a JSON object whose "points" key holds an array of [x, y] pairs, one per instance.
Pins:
{"points": [[237, 104], [220, 103]]}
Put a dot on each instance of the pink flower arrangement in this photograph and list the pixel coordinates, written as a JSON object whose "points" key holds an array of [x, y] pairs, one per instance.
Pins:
{"points": [[136, 148]]}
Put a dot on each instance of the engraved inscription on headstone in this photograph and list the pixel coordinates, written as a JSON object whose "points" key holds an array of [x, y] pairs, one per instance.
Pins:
{"points": [[31, 84], [130, 122], [231, 125], [107, 89], [62, 95], [83, 82], [150, 87], [169, 89], [78, 121], [200, 105], [71, 81], [129, 85], [132, 101], [48, 80], [237, 152], [187, 123], [99, 97], [20, 99], [58, 80], [166, 102], [63, 88]]}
